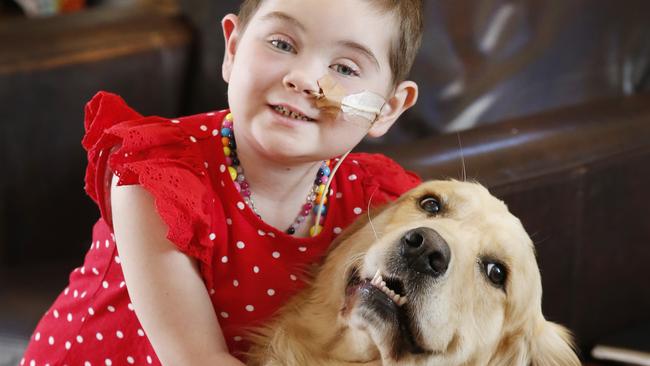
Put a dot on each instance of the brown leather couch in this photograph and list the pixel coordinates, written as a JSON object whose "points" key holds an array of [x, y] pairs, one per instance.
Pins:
{"points": [[552, 99]]}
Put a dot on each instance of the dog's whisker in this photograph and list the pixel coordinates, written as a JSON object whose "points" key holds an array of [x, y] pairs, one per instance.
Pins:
{"points": [[368, 213], [462, 157]]}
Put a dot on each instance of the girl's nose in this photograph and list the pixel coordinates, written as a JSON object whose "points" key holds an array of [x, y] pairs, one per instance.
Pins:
{"points": [[301, 82]]}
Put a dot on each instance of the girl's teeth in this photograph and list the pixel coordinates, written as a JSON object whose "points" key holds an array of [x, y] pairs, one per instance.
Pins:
{"points": [[291, 114]]}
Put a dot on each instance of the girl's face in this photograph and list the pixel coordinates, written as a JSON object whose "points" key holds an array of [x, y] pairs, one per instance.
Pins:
{"points": [[276, 62]]}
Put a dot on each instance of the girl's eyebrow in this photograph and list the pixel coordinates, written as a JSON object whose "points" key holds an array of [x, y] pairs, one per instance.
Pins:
{"points": [[284, 17], [278, 15]]}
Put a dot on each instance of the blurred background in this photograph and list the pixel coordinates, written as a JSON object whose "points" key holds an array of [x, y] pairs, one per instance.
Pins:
{"points": [[547, 102]]}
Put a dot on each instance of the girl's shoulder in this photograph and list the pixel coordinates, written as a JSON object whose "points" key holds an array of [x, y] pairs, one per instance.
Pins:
{"points": [[170, 157], [379, 173]]}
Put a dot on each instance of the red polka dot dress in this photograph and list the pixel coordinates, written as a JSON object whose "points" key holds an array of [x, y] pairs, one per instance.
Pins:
{"points": [[249, 268]]}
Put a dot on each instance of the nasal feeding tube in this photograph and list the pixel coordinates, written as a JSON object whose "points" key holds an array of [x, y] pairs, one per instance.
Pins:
{"points": [[363, 107]]}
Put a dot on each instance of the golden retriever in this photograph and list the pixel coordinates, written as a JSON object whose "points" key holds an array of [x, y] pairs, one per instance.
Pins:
{"points": [[445, 275]]}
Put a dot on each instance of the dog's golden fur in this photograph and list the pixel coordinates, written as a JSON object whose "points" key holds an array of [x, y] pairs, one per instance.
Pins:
{"points": [[461, 317]]}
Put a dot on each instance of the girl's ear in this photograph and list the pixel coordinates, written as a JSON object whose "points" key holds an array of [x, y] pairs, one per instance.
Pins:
{"points": [[404, 97], [230, 27]]}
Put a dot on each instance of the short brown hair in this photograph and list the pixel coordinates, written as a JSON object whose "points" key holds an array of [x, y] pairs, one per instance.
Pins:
{"points": [[404, 48]]}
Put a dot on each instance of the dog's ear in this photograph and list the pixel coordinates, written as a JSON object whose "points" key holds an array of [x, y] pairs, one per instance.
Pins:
{"points": [[548, 345], [552, 345]]}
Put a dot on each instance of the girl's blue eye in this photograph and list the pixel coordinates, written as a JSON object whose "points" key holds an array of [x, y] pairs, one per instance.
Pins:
{"points": [[282, 45], [345, 70]]}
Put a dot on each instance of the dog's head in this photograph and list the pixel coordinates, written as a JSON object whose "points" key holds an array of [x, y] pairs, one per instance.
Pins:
{"points": [[444, 275]]}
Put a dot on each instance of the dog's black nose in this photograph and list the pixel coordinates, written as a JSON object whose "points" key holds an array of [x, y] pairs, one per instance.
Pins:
{"points": [[426, 251]]}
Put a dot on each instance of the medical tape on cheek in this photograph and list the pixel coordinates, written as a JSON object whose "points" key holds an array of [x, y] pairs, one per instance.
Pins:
{"points": [[364, 106]]}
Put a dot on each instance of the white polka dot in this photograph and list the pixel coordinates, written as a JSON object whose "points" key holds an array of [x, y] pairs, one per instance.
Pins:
{"points": [[215, 132], [352, 177], [95, 271], [271, 234], [37, 336], [80, 339], [56, 314], [241, 245], [276, 255], [50, 340], [22, 362], [83, 294], [99, 336], [237, 338], [68, 345], [32, 363], [293, 277], [256, 269], [224, 259], [141, 332], [104, 284], [224, 315], [192, 138], [270, 291], [175, 121], [149, 360], [206, 165], [119, 334], [213, 236], [83, 319], [75, 294], [235, 283], [337, 230], [97, 244], [302, 249], [130, 306], [82, 270], [339, 194], [91, 311], [356, 162], [357, 210], [69, 317], [212, 292], [122, 284], [130, 360], [65, 291], [203, 128], [261, 233], [108, 362], [229, 221], [240, 205], [111, 308], [250, 308], [222, 168], [210, 114], [117, 260], [107, 243]]}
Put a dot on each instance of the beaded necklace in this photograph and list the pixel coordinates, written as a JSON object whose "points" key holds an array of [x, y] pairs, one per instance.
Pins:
{"points": [[314, 198]]}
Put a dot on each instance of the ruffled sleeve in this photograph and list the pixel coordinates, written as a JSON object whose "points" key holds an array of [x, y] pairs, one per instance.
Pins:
{"points": [[158, 155], [384, 179]]}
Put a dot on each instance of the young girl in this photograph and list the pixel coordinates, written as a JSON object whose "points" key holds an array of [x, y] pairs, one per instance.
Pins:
{"points": [[209, 221]]}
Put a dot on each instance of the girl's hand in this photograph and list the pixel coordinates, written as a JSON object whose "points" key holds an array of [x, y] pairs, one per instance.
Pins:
{"points": [[165, 285]]}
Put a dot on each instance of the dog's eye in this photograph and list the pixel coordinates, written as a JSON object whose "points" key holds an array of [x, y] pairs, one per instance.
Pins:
{"points": [[430, 205], [496, 273]]}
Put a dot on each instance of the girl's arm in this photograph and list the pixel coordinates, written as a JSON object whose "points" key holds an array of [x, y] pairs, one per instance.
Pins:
{"points": [[165, 285]]}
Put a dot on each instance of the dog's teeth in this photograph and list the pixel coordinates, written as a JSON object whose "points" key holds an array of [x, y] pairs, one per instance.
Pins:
{"points": [[377, 277], [401, 301], [383, 283], [396, 299]]}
